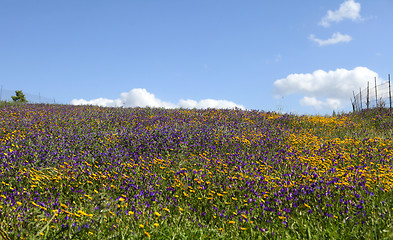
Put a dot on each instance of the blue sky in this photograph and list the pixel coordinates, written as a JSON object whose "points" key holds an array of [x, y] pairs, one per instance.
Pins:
{"points": [[293, 56]]}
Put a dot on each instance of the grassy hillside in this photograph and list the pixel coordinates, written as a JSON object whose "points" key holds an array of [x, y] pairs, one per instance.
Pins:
{"points": [[71, 172]]}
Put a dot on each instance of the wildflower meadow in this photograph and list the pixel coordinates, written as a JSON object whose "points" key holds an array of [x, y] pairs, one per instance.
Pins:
{"points": [[86, 172]]}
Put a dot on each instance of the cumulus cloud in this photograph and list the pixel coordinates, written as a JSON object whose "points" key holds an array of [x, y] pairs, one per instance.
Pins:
{"points": [[323, 89], [330, 103], [140, 97], [336, 38], [98, 102], [208, 103], [311, 101], [347, 10]]}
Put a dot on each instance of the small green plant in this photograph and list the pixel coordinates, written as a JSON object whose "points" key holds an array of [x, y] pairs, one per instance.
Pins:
{"points": [[20, 97], [381, 103]]}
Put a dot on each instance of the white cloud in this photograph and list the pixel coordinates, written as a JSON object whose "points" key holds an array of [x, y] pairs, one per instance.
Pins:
{"points": [[208, 103], [99, 102], [336, 38], [323, 89], [139, 97], [333, 103], [348, 10], [311, 101], [330, 103]]}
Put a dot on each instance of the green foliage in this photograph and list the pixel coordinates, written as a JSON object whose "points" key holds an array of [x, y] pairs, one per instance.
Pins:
{"points": [[19, 97]]}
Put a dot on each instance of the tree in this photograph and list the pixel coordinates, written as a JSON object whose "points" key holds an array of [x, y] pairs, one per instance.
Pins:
{"points": [[20, 96]]}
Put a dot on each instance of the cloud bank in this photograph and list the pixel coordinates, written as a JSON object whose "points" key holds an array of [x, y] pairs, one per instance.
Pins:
{"points": [[140, 97], [322, 89], [347, 10], [336, 38]]}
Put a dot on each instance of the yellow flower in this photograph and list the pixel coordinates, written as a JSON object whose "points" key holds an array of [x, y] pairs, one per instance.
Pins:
{"points": [[166, 209], [83, 213], [307, 205], [243, 228], [121, 199], [231, 222], [141, 226], [281, 217], [157, 214], [130, 213], [147, 234], [156, 224], [181, 209], [19, 203], [63, 205]]}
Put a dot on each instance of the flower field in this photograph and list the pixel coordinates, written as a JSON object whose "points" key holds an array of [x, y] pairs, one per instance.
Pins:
{"points": [[84, 172]]}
